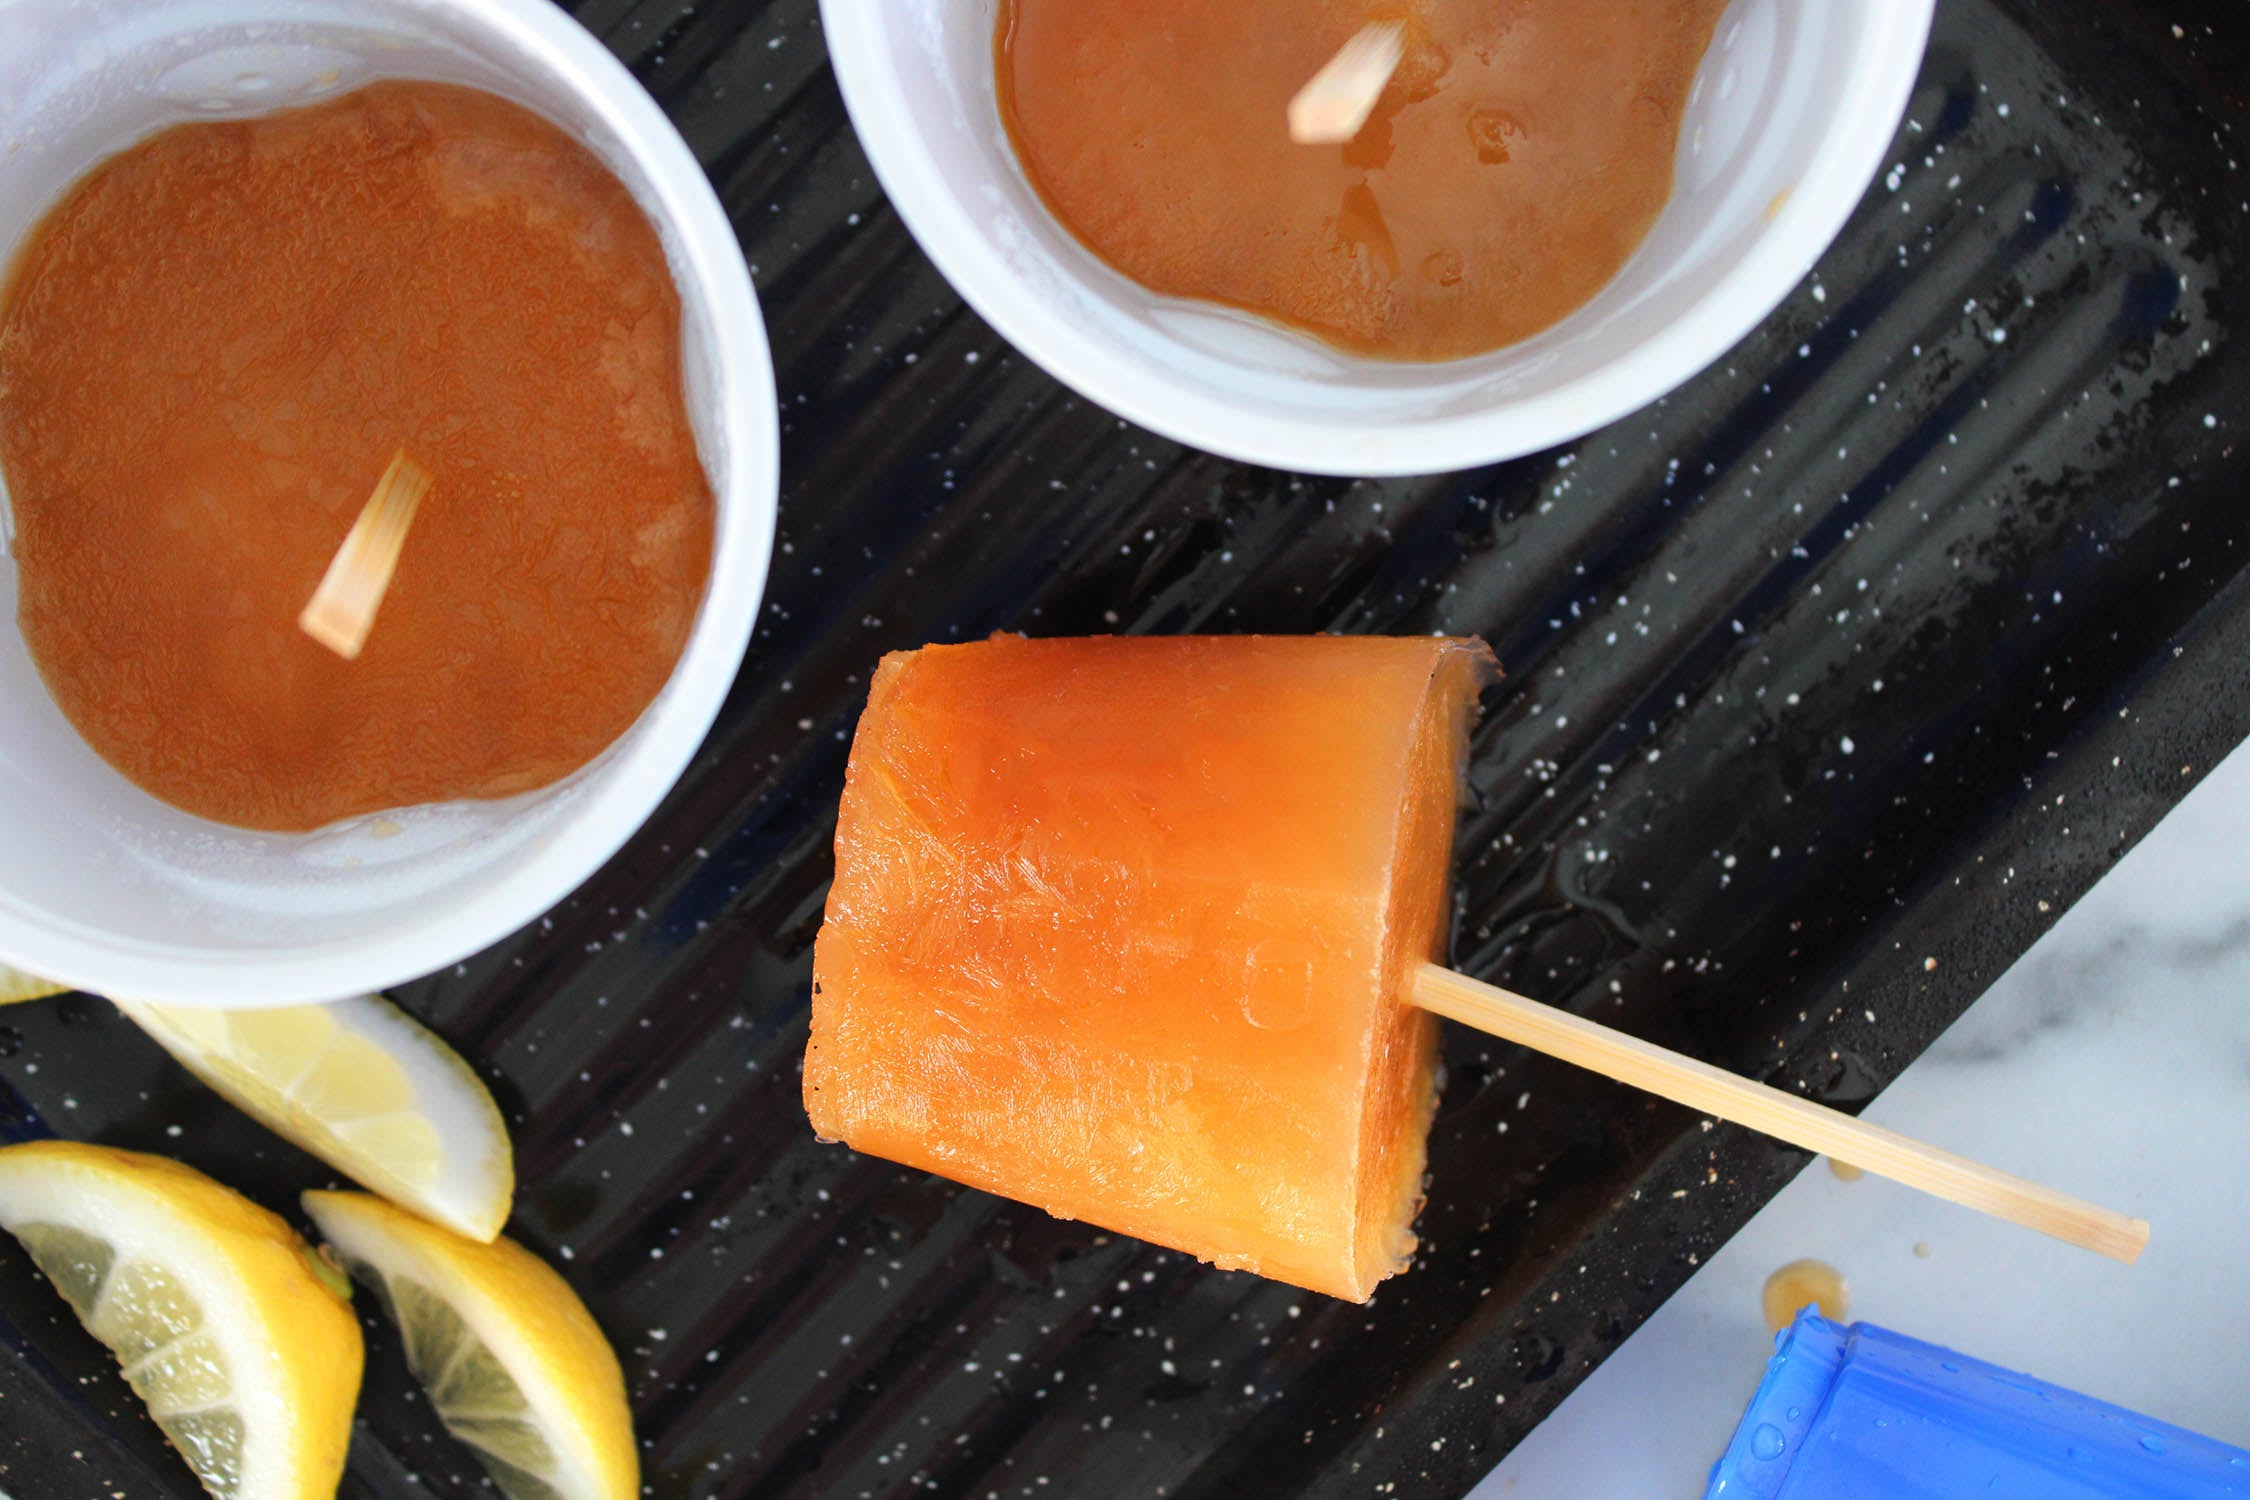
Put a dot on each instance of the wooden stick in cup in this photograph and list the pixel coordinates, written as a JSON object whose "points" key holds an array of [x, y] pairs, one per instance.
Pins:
{"points": [[343, 608], [1800, 1122], [1333, 106]]}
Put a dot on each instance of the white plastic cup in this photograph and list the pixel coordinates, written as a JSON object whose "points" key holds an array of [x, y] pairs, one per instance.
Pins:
{"points": [[1789, 118], [106, 888]]}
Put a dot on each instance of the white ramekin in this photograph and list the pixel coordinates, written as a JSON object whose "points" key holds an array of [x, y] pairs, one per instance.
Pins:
{"points": [[1793, 110], [102, 886]]}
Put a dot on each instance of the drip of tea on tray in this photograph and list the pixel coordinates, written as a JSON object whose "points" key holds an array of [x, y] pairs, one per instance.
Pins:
{"points": [[210, 351], [1515, 160]]}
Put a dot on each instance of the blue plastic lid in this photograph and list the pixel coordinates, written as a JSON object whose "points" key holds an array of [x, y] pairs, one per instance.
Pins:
{"points": [[1862, 1413]]}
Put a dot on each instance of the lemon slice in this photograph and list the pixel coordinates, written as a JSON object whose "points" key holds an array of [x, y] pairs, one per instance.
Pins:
{"points": [[508, 1355], [240, 1340], [364, 1087], [16, 985]]}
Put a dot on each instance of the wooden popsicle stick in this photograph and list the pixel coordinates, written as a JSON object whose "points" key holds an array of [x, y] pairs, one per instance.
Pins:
{"points": [[1336, 101], [1800, 1122], [343, 608]]}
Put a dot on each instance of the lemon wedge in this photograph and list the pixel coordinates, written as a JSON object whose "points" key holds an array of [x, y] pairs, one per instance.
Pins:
{"points": [[509, 1357], [364, 1087], [16, 985], [238, 1338]]}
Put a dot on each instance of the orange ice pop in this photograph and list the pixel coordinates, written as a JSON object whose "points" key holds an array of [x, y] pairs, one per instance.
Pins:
{"points": [[1141, 931], [1123, 928]]}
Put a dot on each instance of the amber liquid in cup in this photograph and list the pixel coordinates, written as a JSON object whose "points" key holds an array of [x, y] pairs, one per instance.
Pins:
{"points": [[1518, 158], [210, 350]]}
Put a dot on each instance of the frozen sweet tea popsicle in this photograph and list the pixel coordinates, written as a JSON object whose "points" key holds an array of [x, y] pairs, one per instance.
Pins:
{"points": [[1142, 931], [1123, 928]]}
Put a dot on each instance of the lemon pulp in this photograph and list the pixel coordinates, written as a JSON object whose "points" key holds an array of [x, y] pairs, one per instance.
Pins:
{"points": [[247, 1360], [364, 1087], [510, 1359]]}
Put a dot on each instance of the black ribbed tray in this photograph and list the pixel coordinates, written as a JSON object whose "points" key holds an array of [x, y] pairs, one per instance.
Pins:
{"points": [[1871, 647]]}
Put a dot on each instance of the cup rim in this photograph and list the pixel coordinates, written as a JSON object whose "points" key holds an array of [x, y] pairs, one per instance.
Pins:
{"points": [[608, 810], [863, 33]]}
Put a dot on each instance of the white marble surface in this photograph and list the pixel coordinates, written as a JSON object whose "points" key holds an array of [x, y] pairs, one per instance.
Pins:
{"points": [[2112, 1061]]}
